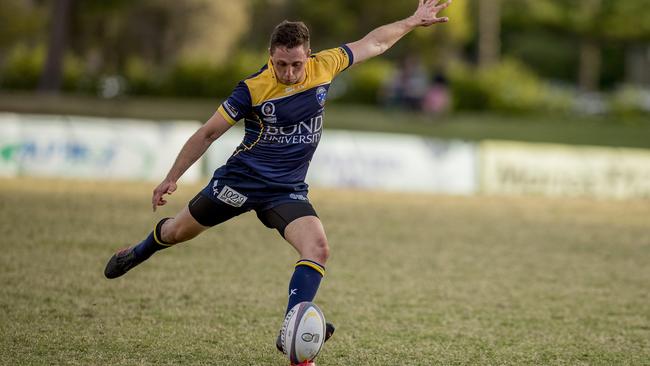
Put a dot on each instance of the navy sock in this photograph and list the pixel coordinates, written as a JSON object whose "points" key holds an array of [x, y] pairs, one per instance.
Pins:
{"points": [[304, 282], [151, 244]]}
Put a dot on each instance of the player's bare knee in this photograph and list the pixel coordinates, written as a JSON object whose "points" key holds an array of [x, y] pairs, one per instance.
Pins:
{"points": [[172, 233], [321, 250]]}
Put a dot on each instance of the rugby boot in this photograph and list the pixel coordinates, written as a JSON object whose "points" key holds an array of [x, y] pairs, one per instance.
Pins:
{"points": [[329, 331], [121, 262]]}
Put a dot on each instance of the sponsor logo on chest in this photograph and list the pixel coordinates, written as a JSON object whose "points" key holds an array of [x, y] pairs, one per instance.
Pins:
{"points": [[268, 110], [304, 132]]}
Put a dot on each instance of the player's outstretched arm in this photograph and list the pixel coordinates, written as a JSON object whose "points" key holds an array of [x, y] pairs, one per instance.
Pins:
{"points": [[193, 149], [379, 40]]}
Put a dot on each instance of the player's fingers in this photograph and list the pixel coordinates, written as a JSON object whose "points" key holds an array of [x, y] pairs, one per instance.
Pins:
{"points": [[441, 20], [442, 6], [171, 189]]}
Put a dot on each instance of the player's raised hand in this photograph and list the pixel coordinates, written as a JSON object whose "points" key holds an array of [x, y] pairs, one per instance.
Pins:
{"points": [[427, 12], [166, 187]]}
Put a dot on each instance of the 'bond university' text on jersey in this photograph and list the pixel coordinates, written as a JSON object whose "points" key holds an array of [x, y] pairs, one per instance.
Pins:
{"points": [[283, 123]]}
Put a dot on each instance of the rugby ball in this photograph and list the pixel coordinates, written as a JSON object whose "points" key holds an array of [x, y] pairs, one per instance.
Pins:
{"points": [[303, 332]]}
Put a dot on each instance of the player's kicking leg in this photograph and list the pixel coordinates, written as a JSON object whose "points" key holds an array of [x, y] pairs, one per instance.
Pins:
{"points": [[167, 232], [301, 227], [307, 236]]}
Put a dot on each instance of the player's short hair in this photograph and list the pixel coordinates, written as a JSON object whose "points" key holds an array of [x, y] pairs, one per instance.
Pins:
{"points": [[290, 34]]}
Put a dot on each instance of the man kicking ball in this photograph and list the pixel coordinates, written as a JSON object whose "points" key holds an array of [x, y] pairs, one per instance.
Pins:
{"points": [[282, 107]]}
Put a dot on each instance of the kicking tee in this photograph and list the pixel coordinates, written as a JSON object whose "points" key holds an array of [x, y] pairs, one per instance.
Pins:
{"points": [[283, 123]]}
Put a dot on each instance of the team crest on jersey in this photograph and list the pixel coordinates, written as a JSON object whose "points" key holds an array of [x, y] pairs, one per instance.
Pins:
{"points": [[321, 95]]}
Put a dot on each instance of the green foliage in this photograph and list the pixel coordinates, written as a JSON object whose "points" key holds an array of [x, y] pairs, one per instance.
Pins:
{"points": [[22, 67], [363, 82], [507, 87], [192, 79], [631, 101], [205, 51], [142, 77], [204, 79], [73, 73], [21, 20], [468, 93], [627, 20], [597, 19]]}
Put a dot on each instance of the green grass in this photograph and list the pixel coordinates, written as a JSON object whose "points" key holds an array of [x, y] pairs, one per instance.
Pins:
{"points": [[413, 280], [582, 130]]}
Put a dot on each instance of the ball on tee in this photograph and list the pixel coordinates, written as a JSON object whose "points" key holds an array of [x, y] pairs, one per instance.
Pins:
{"points": [[303, 332]]}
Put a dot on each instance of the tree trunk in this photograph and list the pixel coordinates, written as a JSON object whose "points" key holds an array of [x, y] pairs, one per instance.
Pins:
{"points": [[590, 51], [637, 65], [489, 26], [589, 73], [53, 71]]}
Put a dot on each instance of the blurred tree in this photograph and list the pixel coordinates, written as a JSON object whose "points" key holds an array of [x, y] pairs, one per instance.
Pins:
{"points": [[593, 23], [577, 18], [160, 32], [53, 71], [489, 28], [629, 22], [104, 37], [20, 21], [335, 22]]}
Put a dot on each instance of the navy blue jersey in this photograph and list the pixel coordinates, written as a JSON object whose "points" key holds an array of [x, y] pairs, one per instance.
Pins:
{"points": [[283, 123]]}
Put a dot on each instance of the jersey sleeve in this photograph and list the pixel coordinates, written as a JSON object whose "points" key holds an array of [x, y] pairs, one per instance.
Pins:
{"points": [[336, 59], [238, 105]]}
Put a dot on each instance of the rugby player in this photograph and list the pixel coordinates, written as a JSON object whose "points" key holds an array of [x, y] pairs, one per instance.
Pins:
{"points": [[282, 108]]}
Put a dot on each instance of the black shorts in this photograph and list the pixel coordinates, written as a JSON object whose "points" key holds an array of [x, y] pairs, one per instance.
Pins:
{"points": [[210, 213]]}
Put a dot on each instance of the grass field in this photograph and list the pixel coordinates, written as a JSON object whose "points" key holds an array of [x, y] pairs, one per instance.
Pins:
{"points": [[413, 280]]}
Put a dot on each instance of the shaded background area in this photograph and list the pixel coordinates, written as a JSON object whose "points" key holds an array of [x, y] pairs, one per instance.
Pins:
{"points": [[579, 57]]}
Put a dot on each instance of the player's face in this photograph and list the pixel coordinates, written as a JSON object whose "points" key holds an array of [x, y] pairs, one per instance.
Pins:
{"points": [[289, 64]]}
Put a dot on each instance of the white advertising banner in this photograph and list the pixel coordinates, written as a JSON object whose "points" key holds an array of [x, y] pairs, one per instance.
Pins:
{"points": [[563, 170], [393, 162], [223, 148], [381, 161], [9, 144], [86, 147]]}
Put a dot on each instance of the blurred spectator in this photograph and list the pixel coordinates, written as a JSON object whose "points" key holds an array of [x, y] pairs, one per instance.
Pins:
{"points": [[437, 99], [409, 85]]}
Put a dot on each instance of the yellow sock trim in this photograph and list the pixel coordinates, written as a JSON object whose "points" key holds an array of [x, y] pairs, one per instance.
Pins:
{"points": [[318, 268], [155, 237]]}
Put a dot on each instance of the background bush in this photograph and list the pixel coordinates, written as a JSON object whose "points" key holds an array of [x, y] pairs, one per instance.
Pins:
{"points": [[506, 87]]}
